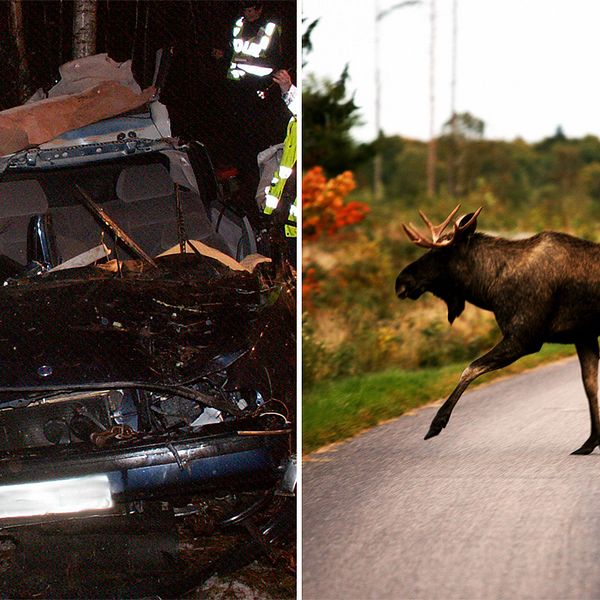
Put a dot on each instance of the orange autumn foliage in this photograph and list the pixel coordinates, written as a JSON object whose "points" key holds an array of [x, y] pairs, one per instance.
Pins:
{"points": [[310, 287], [323, 208]]}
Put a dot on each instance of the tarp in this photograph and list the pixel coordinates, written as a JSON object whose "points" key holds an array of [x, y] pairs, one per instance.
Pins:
{"points": [[91, 89], [83, 73]]}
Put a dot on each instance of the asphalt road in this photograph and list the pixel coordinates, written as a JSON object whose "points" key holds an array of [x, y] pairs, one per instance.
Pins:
{"points": [[494, 507]]}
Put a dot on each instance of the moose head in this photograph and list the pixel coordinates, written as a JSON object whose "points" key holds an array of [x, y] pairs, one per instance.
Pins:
{"points": [[433, 272]]}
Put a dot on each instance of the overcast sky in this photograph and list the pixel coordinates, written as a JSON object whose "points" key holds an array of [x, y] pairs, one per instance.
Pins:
{"points": [[523, 66]]}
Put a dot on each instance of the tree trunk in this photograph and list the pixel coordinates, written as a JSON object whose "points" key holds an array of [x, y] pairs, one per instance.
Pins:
{"points": [[453, 156], [18, 32], [84, 28], [431, 150]]}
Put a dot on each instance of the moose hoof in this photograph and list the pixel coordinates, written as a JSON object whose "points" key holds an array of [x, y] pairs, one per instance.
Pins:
{"points": [[439, 422], [433, 431], [585, 449]]}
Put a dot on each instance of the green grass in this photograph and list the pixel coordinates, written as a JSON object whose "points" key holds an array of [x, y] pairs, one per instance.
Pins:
{"points": [[336, 410]]}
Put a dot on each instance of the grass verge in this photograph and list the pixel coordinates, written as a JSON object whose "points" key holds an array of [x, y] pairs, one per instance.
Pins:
{"points": [[336, 410]]}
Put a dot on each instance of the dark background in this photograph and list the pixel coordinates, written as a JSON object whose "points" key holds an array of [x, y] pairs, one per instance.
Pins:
{"points": [[136, 29]]}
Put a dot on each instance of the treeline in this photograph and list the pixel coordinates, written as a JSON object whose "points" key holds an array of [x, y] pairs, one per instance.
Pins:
{"points": [[517, 174]]}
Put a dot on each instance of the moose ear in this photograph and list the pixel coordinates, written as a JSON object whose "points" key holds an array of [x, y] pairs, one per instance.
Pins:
{"points": [[467, 224]]}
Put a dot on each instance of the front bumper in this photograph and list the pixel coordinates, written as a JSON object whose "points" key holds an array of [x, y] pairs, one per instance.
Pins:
{"points": [[195, 463]]}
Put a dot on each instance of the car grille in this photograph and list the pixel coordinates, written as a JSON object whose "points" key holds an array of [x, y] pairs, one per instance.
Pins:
{"points": [[47, 424]]}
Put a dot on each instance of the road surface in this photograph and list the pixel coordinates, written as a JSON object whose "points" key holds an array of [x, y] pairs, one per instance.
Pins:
{"points": [[494, 507]]}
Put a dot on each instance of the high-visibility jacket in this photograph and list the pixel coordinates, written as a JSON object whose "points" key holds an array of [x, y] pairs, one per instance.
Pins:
{"points": [[250, 55], [274, 191]]}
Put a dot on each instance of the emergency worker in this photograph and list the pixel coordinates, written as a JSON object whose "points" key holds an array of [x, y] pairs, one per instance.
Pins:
{"points": [[280, 195], [255, 119], [256, 43]]}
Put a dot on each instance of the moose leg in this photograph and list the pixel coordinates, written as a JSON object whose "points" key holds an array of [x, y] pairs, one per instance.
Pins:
{"points": [[588, 354], [505, 352]]}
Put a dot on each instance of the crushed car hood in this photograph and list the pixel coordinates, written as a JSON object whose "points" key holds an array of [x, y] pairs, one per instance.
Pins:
{"points": [[161, 325]]}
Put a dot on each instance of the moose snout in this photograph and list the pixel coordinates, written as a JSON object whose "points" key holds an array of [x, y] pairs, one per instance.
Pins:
{"points": [[405, 286], [400, 289]]}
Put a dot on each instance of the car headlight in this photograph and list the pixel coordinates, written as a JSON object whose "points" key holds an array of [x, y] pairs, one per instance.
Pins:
{"points": [[52, 497]]}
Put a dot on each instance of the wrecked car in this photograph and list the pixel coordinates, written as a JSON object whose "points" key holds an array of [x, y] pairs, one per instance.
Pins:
{"points": [[147, 355]]}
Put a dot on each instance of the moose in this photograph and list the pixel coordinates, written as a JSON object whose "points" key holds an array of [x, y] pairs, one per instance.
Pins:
{"points": [[545, 288]]}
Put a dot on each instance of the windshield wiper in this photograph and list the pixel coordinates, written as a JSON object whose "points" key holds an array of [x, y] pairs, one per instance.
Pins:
{"points": [[116, 229]]}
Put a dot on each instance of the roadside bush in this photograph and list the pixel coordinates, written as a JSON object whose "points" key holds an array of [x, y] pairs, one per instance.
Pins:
{"points": [[320, 362], [324, 210]]}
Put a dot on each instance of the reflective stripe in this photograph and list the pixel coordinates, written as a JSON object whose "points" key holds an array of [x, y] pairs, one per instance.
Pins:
{"points": [[270, 28], [235, 73], [284, 172], [264, 43], [272, 201], [253, 50], [291, 230], [256, 70]]}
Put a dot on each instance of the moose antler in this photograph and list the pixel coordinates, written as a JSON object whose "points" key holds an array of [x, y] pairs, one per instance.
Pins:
{"points": [[415, 236]]}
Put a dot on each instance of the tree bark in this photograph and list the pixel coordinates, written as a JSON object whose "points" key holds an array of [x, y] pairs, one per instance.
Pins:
{"points": [[23, 75], [84, 28]]}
